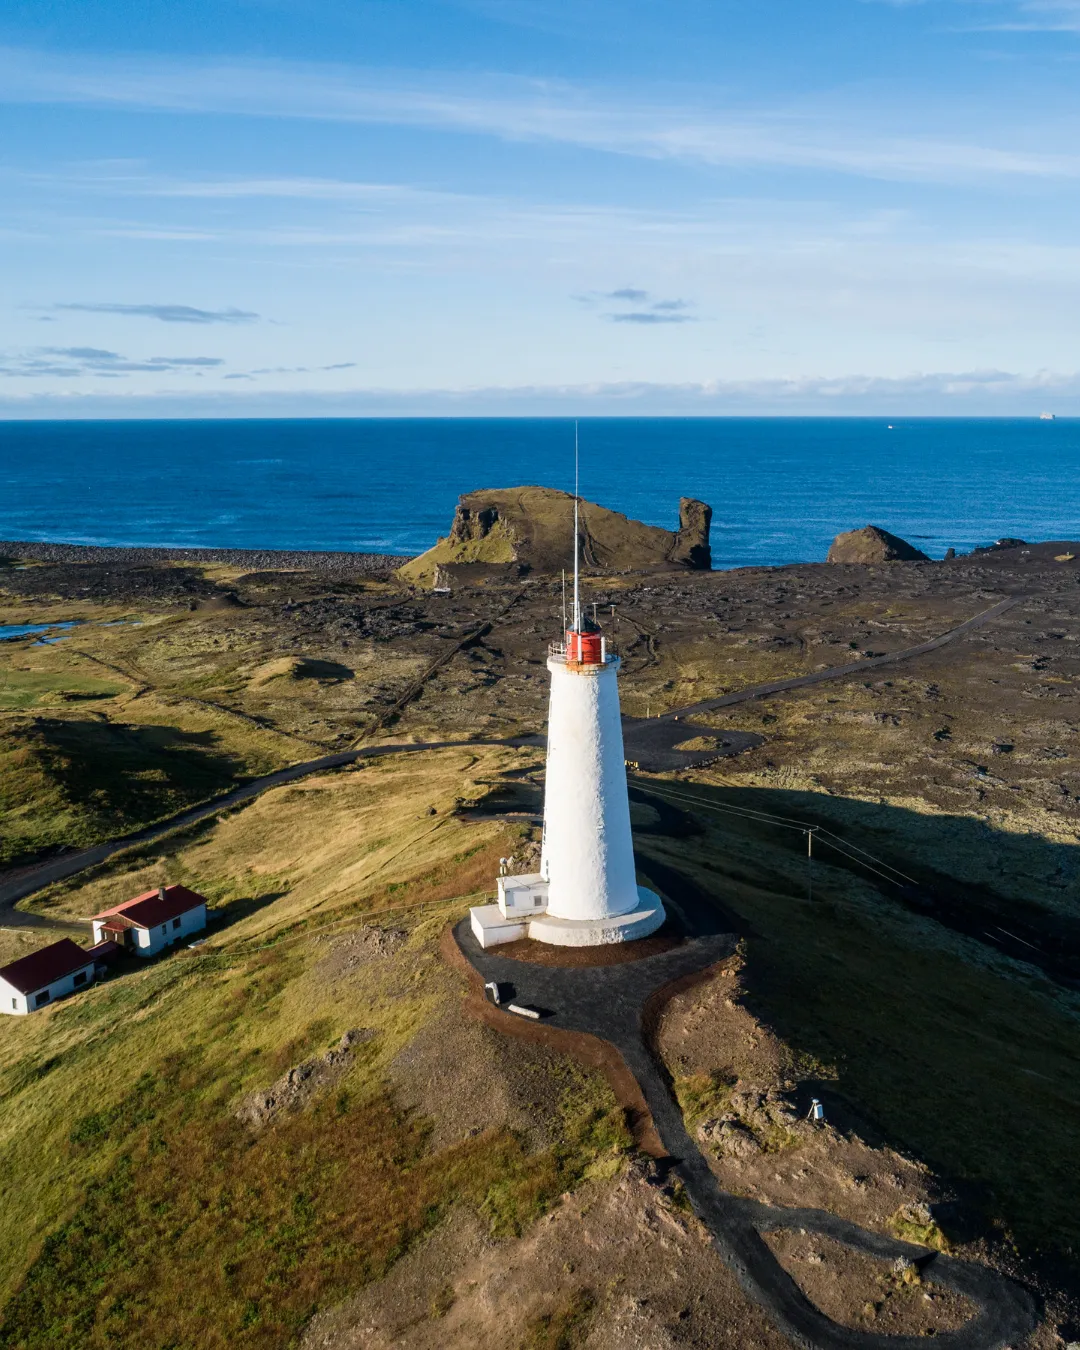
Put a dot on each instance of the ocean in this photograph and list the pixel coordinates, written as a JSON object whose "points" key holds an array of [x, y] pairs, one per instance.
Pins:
{"points": [[780, 488]]}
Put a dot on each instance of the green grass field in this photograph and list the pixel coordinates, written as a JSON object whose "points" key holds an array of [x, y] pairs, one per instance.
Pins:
{"points": [[36, 689]]}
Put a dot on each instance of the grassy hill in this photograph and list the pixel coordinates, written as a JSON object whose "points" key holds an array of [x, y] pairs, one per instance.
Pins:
{"points": [[136, 1209]]}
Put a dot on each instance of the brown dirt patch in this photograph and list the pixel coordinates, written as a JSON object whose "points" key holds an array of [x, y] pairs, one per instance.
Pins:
{"points": [[857, 1291], [469, 1078], [591, 1051], [348, 952], [617, 1260], [613, 954], [303, 1082]]}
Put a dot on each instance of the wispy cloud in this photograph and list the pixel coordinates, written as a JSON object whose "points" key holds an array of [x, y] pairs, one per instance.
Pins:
{"points": [[648, 317], [1009, 16], [284, 188], [302, 370], [650, 311], [95, 361], [166, 313], [972, 392], [512, 108]]}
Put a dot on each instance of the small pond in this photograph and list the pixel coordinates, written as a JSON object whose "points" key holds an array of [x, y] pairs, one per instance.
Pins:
{"points": [[18, 630]]}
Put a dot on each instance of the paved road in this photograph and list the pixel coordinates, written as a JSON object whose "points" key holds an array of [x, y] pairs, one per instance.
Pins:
{"points": [[27, 882], [841, 672], [649, 742], [608, 1002]]}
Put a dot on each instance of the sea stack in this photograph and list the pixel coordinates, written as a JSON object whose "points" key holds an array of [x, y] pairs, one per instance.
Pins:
{"points": [[586, 892]]}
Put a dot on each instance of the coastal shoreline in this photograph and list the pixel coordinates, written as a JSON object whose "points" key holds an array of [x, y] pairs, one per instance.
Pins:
{"points": [[262, 559]]}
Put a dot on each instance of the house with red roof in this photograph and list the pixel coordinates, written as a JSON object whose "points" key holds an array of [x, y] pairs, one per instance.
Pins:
{"points": [[153, 920], [34, 981]]}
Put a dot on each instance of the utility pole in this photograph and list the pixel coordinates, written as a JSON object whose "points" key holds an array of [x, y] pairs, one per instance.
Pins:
{"points": [[810, 863]]}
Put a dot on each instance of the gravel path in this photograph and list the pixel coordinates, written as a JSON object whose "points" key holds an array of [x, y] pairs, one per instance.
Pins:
{"points": [[609, 1002], [252, 560]]}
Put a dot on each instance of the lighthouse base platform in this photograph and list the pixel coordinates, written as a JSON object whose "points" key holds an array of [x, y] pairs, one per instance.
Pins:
{"points": [[491, 926]]}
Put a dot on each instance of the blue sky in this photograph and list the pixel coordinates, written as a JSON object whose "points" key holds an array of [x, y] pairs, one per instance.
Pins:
{"points": [[395, 206]]}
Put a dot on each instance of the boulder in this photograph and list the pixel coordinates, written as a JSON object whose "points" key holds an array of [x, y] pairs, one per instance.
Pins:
{"points": [[504, 532], [872, 544], [730, 1137]]}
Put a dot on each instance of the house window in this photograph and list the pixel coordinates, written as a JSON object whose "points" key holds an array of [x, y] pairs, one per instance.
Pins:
{"points": [[79, 979], [14, 1002], [41, 998], [164, 927], [176, 923]]}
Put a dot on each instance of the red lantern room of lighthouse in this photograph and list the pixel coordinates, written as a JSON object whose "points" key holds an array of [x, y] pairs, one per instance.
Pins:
{"points": [[586, 645]]}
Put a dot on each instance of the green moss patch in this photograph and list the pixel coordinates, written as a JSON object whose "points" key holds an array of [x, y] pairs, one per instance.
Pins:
{"points": [[36, 688]]}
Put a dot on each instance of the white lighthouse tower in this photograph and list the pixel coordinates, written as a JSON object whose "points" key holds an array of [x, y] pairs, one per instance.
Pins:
{"points": [[586, 891]]}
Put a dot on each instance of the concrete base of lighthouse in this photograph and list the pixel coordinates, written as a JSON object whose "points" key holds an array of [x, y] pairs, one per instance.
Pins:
{"points": [[646, 918], [496, 924]]}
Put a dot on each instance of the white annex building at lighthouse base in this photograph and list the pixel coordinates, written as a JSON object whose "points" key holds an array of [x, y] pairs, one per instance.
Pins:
{"points": [[586, 892]]}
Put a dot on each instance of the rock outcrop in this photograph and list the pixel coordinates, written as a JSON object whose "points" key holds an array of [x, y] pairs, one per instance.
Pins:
{"points": [[505, 532], [872, 544], [295, 1089], [692, 538]]}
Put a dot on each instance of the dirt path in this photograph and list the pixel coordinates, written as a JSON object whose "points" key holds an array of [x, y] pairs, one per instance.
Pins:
{"points": [[616, 1004]]}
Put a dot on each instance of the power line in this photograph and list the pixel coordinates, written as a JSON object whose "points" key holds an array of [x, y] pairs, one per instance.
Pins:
{"points": [[827, 837]]}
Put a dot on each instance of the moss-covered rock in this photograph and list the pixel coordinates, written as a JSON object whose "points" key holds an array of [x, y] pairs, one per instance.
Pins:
{"points": [[509, 530]]}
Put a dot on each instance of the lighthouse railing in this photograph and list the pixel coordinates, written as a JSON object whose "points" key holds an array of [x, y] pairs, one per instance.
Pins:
{"points": [[609, 651]]}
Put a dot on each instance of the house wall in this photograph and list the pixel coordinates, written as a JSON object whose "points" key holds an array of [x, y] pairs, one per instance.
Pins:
{"points": [[151, 941], [11, 1001]]}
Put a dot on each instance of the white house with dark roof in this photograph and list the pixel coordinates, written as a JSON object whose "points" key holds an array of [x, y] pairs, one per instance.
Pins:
{"points": [[35, 981], [153, 920]]}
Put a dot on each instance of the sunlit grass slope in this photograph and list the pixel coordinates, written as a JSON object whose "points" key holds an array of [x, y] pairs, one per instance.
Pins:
{"points": [[135, 1209]]}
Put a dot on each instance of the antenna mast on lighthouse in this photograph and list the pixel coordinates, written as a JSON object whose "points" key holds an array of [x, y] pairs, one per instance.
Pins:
{"points": [[577, 594]]}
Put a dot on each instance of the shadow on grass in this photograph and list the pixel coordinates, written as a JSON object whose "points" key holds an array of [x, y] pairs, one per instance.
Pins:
{"points": [[102, 779], [891, 1001], [223, 917]]}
